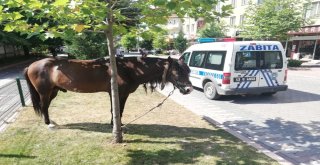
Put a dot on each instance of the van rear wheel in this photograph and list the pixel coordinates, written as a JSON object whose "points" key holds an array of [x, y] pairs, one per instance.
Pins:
{"points": [[210, 91]]}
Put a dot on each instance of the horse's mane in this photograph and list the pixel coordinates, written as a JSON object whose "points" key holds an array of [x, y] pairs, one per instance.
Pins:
{"points": [[152, 84]]}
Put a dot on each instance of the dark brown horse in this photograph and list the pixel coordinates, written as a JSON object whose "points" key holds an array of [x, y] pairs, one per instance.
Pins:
{"points": [[48, 76]]}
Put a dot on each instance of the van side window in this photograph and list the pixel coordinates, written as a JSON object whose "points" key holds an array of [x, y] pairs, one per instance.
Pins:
{"points": [[246, 60], [271, 60], [215, 60], [185, 57], [197, 58]]}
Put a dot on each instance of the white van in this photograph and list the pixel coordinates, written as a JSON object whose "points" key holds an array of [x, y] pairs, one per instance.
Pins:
{"points": [[236, 68]]}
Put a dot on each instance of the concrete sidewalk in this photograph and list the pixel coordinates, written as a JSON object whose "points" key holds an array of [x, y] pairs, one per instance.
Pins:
{"points": [[311, 63]]}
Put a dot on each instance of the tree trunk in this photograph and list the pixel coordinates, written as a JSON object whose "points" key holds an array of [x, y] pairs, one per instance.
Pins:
{"points": [[116, 131]]}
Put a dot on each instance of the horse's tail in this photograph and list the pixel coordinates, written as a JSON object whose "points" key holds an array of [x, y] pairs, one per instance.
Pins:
{"points": [[35, 98]]}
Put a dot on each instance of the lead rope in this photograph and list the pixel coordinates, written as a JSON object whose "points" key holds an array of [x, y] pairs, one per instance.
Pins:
{"points": [[159, 105]]}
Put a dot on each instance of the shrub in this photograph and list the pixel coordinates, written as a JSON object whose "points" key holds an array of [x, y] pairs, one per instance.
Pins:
{"points": [[294, 63], [88, 45]]}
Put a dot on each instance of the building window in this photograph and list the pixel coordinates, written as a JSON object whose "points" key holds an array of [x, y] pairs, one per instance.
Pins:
{"points": [[314, 10], [233, 3], [218, 7], [244, 2], [192, 27], [259, 1], [233, 21], [241, 19]]}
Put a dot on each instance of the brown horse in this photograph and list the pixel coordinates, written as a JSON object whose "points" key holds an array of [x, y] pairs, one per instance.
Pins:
{"points": [[48, 76]]}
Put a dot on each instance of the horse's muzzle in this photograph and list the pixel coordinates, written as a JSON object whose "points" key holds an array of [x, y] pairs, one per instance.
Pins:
{"points": [[186, 90]]}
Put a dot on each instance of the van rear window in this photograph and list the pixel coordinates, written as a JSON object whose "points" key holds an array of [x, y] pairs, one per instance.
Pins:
{"points": [[271, 60], [252, 60]]}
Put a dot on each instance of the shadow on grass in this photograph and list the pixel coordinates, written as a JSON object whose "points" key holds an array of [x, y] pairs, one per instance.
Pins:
{"points": [[188, 144], [17, 156]]}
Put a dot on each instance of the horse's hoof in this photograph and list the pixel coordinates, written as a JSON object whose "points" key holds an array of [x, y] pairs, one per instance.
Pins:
{"points": [[52, 127]]}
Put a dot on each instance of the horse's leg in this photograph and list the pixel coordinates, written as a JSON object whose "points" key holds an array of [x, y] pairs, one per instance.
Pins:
{"points": [[122, 100], [111, 122], [53, 95], [45, 102], [46, 96]]}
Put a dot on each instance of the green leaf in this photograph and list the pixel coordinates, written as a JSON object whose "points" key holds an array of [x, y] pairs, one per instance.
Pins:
{"points": [[78, 28], [49, 35], [160, 2], [171, 5], [16, 15], [42, 37], [58, 3], [86, 11], [32, 34], [36, 4], [9, 28]]}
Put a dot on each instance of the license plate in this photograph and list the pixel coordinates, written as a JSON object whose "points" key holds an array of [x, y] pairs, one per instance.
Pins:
{"points": [[240, 79]]}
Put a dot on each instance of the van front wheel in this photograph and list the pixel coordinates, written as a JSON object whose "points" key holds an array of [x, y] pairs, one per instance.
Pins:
{"points": [[210, 91]]}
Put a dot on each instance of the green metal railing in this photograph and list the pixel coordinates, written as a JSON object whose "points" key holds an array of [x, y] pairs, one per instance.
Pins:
{"points": [[20, 92]]}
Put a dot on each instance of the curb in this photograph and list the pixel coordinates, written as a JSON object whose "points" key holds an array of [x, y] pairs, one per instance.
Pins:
{"points": [[255, 144]]}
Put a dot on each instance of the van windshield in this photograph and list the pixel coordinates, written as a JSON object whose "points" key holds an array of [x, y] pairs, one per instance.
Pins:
{"points": [[252, 60]]}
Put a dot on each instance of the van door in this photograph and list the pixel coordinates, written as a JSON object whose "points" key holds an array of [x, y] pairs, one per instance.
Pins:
{"points": [[272, 72], [196, 64], [258, 69], [246, 74]]}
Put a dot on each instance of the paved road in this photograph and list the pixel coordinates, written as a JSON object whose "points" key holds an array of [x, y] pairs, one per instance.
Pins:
{"points": [[9, 95], [287, 124], [11, 73]]}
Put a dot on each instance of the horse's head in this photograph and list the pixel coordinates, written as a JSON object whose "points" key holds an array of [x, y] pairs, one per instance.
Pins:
{"points": [[177, 73]]}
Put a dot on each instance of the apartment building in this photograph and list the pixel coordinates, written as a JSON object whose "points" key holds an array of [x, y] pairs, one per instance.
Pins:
{"points": [[237, 17], [189, 26], [305, 42]]}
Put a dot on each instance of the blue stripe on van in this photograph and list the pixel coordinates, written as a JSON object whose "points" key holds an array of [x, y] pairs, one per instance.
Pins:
{"points": [[254, 75], [266, 77], [215, 75], [244, 82], [270, 77], [275, 79], [248, 72]]}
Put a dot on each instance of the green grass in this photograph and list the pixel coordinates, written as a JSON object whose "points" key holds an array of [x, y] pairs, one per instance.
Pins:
{"points": [[169, 135]]}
